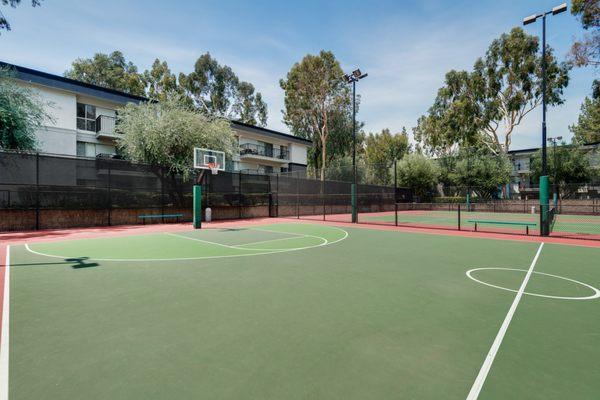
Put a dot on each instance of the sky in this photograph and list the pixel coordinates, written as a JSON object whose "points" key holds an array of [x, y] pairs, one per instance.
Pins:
{"points": [[406, 47]]}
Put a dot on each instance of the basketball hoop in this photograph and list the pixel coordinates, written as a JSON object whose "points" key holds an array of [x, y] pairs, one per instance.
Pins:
{"points": [[214, 168]]}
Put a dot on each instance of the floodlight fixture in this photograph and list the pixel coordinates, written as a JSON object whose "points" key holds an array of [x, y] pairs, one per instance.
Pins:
{"points": [[560, 8], [530, 20]]}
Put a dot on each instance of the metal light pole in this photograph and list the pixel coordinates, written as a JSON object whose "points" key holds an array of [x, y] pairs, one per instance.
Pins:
{"points": [[544, 228], [352, 78]]}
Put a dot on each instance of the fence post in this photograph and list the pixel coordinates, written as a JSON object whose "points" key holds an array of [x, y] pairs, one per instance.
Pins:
{"points": [[109, 196], [37, 191], [298, 196], [459, 216], [162, 195], [240, 194], [396, 192], [323, 197], [353, 202], [277, 195]]}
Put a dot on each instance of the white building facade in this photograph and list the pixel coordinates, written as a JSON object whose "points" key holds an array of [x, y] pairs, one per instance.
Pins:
{"points": [[84, 117]]}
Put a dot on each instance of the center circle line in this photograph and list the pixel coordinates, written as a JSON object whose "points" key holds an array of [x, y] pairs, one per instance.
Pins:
{"points": [[596, 291]]}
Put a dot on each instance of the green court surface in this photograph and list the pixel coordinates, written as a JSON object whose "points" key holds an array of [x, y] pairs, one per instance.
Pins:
{"points": [[576, 224], [302, 311]]}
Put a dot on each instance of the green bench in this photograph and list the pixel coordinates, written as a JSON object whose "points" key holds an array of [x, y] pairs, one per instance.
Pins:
{"points": [[492, 222], [152, 216]]}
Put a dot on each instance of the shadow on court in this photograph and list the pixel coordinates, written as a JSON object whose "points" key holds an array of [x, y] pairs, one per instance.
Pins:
{"points": [[76, 263]]}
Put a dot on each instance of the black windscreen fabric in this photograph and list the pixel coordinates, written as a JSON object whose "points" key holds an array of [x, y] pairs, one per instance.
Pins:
{"points": [[17, 169], [47, 182]]}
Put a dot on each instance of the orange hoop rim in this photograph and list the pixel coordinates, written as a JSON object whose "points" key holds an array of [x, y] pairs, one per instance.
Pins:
{"points": [[214, 167]]}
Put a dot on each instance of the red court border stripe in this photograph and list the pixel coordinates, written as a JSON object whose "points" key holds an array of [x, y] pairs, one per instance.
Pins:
{"points": [[16, 238]]}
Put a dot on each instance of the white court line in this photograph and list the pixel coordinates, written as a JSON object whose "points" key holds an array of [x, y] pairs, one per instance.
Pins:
{"points": [[5, 320], [199, 240], [489, 359], [239, 246], [286, 233], [267, 241], [270, 251], [547, 296]]}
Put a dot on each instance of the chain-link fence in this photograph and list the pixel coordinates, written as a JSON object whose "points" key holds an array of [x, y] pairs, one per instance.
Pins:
{"points": [[44, 191], [40, 191]]}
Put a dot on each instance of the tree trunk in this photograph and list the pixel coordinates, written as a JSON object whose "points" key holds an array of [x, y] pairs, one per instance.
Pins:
{"points": [[323, 156]]}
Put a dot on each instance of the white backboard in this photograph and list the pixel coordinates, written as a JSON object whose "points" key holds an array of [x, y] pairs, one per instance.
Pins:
{"points": [[202, 157]]}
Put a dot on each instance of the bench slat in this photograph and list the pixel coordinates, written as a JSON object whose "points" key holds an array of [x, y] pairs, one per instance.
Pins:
{"points": [[161, 216], [482, 221]]}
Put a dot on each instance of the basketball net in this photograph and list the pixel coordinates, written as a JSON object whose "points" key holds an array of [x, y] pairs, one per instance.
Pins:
{"points": [[214, 168]]}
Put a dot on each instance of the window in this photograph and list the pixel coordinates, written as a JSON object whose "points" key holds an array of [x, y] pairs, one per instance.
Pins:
{"points": [[86, 117], [85, 149], [81, 149], [268, 148], [283, 152]]}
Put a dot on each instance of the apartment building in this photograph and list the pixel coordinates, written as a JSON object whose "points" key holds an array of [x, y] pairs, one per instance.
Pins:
{"points": [[84, 118]]}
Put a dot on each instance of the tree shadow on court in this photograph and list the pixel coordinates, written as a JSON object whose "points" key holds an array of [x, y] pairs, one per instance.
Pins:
{"points": [[80, 262], [76, 263]]}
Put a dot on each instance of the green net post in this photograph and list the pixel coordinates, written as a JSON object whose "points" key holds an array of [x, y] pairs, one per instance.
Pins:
{"points": [[197, 206], [353, 201], [544, 205]]}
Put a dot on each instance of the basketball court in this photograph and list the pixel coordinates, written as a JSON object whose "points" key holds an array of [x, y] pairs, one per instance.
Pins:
{"points": [[273, 308]]}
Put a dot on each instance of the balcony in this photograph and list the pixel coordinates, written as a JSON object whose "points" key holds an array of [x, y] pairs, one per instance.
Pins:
{"points": [[248, 150], [105, 127]]}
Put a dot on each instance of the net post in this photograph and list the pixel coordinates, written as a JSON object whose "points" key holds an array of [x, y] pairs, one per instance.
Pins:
{"points": [[197, 206], [544, 205], [458, 216], [396, 213], [353, 202]]}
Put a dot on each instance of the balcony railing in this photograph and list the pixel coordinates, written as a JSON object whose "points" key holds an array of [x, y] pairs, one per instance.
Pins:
{"points": [[263, 151], [105, 126]]}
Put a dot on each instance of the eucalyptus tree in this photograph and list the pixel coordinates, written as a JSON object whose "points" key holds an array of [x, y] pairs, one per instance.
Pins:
{"points": [[484, 106]]}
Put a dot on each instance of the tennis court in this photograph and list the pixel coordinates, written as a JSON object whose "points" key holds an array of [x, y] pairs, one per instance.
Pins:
{"points": [[427, 215], [278, 309]]}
